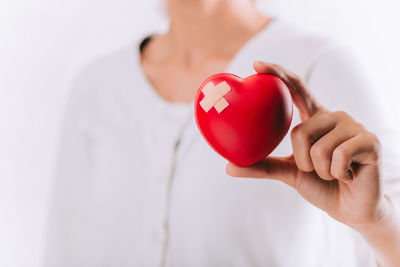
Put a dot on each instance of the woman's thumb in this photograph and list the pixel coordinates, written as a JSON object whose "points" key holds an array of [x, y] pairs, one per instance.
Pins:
{"points": [[276, 168]]}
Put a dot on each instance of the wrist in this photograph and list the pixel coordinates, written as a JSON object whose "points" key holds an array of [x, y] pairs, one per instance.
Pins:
{"points": [[384, 217], [383, 234]]}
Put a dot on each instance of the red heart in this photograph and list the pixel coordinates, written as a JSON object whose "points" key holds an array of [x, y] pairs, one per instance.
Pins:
{"points": [[257, 118]]}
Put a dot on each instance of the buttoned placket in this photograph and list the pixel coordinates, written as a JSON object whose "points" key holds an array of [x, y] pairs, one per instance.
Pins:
{"points": [[179, 118]]}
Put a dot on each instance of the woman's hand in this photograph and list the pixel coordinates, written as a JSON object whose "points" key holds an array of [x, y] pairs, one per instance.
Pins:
{"points": [[335, 163]]}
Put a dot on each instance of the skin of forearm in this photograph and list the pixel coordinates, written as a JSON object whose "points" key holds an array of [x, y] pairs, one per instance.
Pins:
{"points": [[384, 235]]}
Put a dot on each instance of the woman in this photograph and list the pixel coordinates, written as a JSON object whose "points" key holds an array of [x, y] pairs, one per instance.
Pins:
{"points": [[136, 184]]}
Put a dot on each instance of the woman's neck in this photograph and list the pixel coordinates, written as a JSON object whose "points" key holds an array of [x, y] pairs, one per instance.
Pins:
{"points": [[201, 29]]}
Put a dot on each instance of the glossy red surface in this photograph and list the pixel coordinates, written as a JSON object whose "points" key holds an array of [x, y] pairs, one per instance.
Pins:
{"points": [[258, 117]]}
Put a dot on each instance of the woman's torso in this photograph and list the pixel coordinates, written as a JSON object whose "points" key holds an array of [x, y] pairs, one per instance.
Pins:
{"points": [[153, 193]]}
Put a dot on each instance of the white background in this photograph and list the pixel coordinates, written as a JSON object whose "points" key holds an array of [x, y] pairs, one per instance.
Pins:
{"points": [[43, 43]]}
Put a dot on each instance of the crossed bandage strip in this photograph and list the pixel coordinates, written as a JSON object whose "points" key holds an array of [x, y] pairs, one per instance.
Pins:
{"points": [[214, 96]]}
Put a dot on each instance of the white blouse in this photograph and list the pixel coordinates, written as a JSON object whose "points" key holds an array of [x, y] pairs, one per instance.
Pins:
{"points": [[136, 184]]}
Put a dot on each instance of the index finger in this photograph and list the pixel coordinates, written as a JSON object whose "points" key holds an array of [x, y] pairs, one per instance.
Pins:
{"points": [[302, 97]]}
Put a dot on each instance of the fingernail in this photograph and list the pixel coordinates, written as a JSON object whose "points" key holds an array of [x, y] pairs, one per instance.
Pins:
{"points": [[349, 175]]}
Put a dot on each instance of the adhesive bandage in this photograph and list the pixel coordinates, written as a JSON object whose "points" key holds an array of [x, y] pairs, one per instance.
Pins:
{"points": [[214, 96]]}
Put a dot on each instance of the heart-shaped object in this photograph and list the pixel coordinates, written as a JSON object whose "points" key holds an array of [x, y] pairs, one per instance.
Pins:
{"points": [[243, 120]]}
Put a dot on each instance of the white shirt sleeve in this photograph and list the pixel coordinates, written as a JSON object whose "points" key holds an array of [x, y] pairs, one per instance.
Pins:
{"points": [[71, 176]]}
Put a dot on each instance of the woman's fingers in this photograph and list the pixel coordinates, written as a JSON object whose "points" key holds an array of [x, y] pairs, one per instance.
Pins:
{"points": [[322, 150], [304, 135], [315, 139], [276, 168], [362, 149], [302, 97]]}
